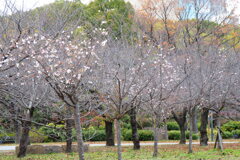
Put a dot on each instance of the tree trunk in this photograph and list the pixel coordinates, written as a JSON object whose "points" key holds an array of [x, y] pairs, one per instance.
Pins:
{"points": [[203, 127], [119, 146], [79, 132], [24, 141], [194, 120], [220, 144], [165, 130], [135, 137], [182, 122], [155, 148], [109, 133], [17, 127], [190, 150], [69, 124], [211, 126], [115, 130], [14, 110], [182, 134]]}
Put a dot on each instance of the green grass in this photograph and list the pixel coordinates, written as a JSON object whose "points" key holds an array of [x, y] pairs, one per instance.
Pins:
{"points": [[229, 154], [170, 152]]}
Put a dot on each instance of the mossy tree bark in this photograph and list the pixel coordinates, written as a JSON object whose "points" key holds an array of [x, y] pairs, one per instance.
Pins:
{"points": [[203, 127], [181, 120], [109, 133], [24, 141], [133, 120]]}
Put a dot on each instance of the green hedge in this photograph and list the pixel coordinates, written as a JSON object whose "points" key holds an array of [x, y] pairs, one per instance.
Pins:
{"points": [[37, 137], [172, 126], [230, 129], [231, 126], [99, 135], [4, 135], [227, 135], [146, 123], [54, 134], [144, 135], [175, 135], [94, 135], [147, 135], [194, 136], [58, 134], [236, 133], [127, 135]]}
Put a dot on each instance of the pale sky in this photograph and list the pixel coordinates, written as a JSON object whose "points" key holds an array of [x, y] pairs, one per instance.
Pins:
{"points": [[26, 4]]}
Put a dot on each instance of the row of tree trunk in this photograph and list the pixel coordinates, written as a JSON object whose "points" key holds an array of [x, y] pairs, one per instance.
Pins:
{"points": [[180, 118], [110, 134]]}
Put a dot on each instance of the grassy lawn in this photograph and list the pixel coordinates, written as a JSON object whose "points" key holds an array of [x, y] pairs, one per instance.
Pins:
{"points": [[167, 152]]}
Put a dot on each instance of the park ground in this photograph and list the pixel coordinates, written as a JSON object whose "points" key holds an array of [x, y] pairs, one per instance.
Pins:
{"points": [[168, 152]]}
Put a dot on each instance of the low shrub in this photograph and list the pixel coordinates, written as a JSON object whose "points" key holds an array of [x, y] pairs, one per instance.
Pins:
{"points": [[227, 135], [194, 136], [172, 126], [37, 137], [144, 135], [236, 133], [173, 135], [126, 125], [127, 134], [94, 135], [101, 127], [54, 133], [57, 133], [231, 126], [199, 126], [7, 138], [145, 122], [9, 135]]}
